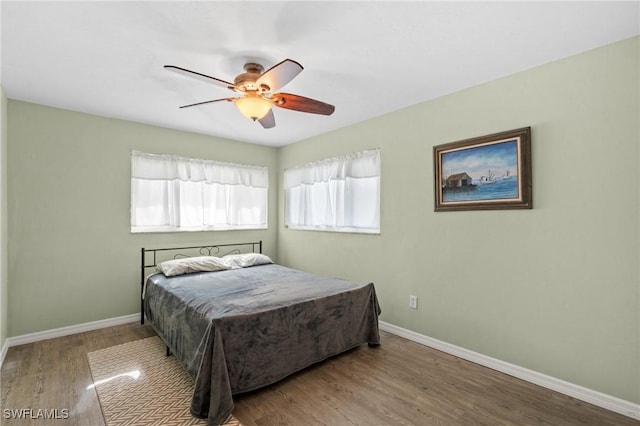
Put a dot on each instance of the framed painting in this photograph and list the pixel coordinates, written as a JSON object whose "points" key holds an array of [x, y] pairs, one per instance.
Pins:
{"points": [[490, 172]]}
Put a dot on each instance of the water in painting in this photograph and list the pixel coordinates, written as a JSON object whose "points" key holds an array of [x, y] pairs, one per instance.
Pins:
{"points": [[482, 173]]}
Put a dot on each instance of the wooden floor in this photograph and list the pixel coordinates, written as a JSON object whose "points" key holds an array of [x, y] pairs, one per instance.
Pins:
{"points": [[399, 383]]}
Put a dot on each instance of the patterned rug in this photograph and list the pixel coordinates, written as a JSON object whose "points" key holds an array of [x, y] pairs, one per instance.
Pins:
{"points": [[137, 384]]}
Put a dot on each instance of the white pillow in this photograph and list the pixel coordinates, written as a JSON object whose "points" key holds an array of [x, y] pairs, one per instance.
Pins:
{"points": [[192, 264], [243, 260]]}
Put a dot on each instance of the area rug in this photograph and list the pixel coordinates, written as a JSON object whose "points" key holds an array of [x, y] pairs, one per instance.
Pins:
{"points": [[137, 384]]}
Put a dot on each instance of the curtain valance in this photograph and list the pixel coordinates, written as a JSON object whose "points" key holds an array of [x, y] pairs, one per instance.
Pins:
{"points": [[363, 164], [160, 166]]}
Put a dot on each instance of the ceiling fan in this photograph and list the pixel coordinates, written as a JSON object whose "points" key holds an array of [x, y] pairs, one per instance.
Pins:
{"points": [[257, 90]]}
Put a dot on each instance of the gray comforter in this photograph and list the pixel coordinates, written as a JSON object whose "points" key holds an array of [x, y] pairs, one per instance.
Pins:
{"points": [[238, 330]]}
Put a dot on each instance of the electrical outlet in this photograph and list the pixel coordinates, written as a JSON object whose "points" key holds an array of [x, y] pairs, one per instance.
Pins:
{"points": [[413, 302]]}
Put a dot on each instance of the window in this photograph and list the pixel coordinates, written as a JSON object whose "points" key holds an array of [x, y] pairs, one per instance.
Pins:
{"points": [[171, 193], [337, 194]]}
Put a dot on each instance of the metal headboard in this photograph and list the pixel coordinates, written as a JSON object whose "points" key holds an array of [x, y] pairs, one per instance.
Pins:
{"points": [[149, 258]]}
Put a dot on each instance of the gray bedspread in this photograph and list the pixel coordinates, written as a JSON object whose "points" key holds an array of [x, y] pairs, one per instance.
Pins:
{"points": [[238, 330]]}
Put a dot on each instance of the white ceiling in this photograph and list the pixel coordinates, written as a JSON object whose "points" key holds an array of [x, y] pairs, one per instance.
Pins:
{"points": [[366, 58]]}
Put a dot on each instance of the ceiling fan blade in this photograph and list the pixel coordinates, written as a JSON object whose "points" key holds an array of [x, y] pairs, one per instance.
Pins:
{"points": [[268, 121], [300, 103], [280, 74], [208, 102], [200, 76]]}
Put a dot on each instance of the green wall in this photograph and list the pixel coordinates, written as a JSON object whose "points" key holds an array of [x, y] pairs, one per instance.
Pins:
{"points": [[4, 304], [554, 289], [72, 258]]}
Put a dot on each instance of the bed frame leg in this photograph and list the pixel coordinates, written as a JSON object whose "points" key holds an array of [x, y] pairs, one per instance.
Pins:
{"points": [[168, 351]]}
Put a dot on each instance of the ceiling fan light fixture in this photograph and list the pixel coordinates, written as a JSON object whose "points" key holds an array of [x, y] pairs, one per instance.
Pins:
{"points": [[258, 91], [253, 106]]}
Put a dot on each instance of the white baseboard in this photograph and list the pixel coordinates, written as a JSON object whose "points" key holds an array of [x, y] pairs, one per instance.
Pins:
{"points": [[64, 331], [3, 351], [599, 399]]}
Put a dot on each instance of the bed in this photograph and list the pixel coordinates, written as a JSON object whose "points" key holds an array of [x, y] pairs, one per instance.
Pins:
{"points": [[241, 322]]}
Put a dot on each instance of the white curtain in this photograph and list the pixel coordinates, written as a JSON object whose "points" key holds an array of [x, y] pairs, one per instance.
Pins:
{"points": [[171, 193], [335, 194]]}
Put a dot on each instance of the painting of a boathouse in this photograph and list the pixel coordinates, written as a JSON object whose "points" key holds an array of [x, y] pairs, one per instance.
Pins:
{"points": [[491, 172], [459, 180]]}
